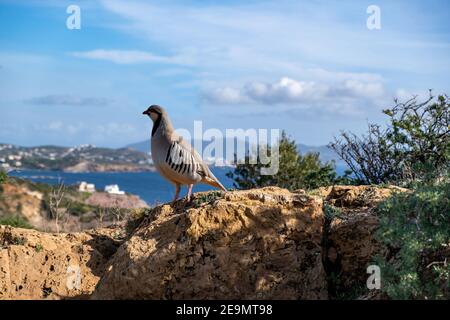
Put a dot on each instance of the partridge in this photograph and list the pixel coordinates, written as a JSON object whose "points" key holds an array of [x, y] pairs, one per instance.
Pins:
{"points": [[174, 158]]}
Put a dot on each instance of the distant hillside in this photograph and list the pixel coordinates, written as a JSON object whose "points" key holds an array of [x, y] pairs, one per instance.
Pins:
{"points": [[326, 154], [143, 146], [84, 158], [24, 203]]}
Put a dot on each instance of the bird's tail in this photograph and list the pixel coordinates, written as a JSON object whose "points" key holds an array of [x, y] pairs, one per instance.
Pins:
{"points": [[213, 181]]}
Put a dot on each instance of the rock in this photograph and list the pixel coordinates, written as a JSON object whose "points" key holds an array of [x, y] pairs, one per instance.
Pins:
{"points": [[350, 236], [357, 196], [37, 265], [264, 243], [19, 199], [125, 201], [257, 244]]}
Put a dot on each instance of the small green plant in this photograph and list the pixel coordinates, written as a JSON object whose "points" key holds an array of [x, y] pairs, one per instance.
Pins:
{"points": [[38, 247], [77, 208], [416, 227], [332, 212], [3, 177], [209, 197], [18, 241], [117, 235], [15, 221]]}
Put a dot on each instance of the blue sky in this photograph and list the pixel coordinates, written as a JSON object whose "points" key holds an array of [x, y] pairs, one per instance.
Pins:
{"points": [[309, 67]]}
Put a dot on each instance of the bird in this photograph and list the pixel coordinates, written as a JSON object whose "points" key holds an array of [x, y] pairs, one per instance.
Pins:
{"points": [[174, 158]]}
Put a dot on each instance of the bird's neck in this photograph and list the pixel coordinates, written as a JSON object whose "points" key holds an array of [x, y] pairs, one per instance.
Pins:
{"points": [[162, 126]]}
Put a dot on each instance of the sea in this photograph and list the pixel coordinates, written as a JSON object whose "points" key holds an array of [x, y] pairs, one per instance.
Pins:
{"points": [[149, 186]]}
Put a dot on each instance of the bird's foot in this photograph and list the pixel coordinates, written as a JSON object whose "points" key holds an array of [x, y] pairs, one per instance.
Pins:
{"points": [[189, 194]]}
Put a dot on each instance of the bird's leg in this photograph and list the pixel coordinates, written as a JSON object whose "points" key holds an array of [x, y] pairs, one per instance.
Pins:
{"points": [[177, 192], [189, 192]]}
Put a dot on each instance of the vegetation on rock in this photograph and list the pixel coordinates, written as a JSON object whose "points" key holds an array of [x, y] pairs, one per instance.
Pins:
{"points": [[415, 227]]}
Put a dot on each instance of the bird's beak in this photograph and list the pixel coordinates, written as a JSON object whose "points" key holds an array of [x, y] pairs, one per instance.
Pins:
{"points": [[145, 112]]}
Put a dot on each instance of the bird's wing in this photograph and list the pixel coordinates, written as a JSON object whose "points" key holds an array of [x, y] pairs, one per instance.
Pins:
{"points": [[182, 163], [187, 147], [184, 154]]}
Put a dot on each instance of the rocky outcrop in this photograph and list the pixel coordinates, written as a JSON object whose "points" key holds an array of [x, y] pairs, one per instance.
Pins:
{"points": [[20, 200], [106, 200], [258, 244], [350, 244], [264, 243], [37, 265], [29, 202]]}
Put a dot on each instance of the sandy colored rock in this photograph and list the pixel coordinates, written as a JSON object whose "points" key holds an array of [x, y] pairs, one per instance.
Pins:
{"points": [[18, 198], [264, 243], [257, 244], [36, 265], [356, 196], [351, 244], [106, 200]]}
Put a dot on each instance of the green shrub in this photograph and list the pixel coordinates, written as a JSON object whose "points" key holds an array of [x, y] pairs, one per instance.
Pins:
{"points": [[415, 145], [209, 197], [416, 228], [15, 221], [296, 171], [38, 247], [332, 212], [76, 208], [3, 177], [18, 241]]}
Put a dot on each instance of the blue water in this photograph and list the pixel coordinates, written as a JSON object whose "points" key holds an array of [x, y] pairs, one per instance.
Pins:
{"points": [[149, 186]]}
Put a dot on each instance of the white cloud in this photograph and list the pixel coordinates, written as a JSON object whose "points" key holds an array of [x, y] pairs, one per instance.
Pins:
{"points": [[225, 95], [68, 100], [55, 125], [129, 57], [291, 91], [278, 34], [363, 89]]}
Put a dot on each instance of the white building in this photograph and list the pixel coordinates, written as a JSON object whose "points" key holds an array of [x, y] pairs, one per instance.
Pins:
{"points": [[86, 187], [113, 189]]}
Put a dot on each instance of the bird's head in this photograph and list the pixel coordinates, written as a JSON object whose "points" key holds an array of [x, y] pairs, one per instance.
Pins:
{"points": [[155, 112]]}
